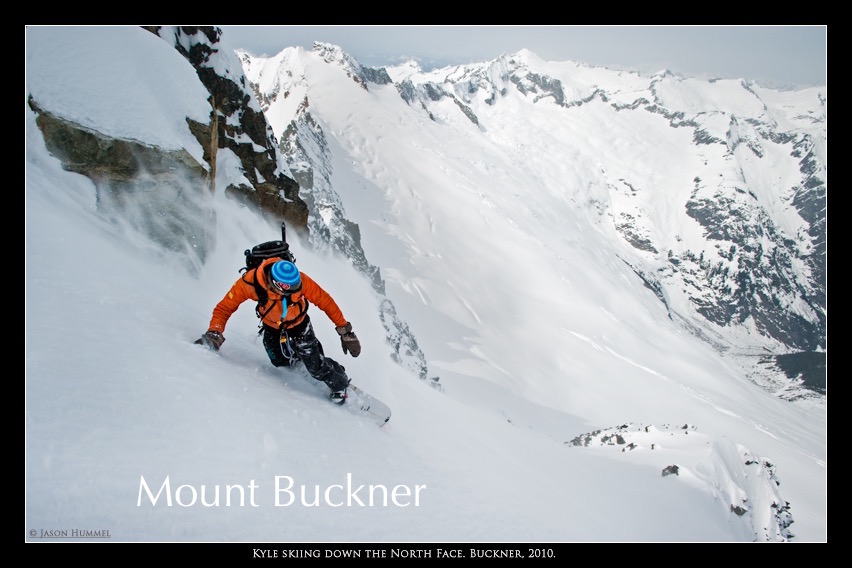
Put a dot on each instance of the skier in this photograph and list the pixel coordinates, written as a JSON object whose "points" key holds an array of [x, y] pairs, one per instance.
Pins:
{"points": [[288, 335]]}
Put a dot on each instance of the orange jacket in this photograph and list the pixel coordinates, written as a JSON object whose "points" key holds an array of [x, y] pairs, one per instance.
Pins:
{"points": [[243, 289]]}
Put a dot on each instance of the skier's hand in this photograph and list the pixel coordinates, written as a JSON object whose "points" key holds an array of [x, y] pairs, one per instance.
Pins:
{"points": [[212, 340], [349, 340], [351, 344]]}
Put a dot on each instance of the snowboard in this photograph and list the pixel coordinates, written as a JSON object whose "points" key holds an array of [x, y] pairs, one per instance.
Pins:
{"points": [[357, 399], [360, 401]]}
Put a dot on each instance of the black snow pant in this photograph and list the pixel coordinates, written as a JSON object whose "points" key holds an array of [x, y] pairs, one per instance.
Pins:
{"points": [[286, 347]]}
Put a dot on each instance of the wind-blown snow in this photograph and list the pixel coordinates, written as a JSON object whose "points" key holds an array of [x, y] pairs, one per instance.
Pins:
{"points": [[568, 394]]}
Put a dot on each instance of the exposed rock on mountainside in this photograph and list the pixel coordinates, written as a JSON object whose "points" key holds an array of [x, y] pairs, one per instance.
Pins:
{"points": [[306, 151], [240, 124], [759, 262], [160, 184], [752, 489], [126, 170]]}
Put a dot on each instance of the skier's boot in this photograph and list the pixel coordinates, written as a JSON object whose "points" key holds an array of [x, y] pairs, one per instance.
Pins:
{"points": [[338, 395]]}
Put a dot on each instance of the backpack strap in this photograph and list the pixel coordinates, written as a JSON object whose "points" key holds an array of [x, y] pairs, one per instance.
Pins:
{"points": [[302, 304], [262, 295]]}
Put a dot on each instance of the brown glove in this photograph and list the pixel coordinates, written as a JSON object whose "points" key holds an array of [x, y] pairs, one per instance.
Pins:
{"points": [[212, 340], [349, 340]]}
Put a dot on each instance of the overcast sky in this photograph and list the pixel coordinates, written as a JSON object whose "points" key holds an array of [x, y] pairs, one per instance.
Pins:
{"points": [[776, 56]]}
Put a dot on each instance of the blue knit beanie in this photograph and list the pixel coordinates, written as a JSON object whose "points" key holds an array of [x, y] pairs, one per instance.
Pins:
{"points": [[285, 277]]}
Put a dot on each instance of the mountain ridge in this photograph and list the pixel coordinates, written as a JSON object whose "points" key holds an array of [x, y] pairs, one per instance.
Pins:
{"points": [[744, 259]]}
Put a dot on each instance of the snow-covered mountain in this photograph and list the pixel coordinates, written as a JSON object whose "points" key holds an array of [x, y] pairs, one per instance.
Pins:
{"points": [[716, 190], [546, 242]]}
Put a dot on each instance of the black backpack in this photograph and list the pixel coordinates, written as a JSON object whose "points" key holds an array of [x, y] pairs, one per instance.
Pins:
{"points": [[257, 254]]}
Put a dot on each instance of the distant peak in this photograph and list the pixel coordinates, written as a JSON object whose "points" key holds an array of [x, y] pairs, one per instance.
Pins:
{"points": [[526, 56], [329, 51], [323, 47], [334, 54], [411, 65]]}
